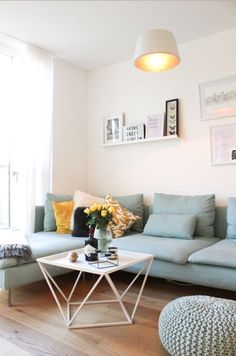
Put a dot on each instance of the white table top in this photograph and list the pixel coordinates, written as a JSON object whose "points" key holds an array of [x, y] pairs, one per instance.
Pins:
{"points": [[126, 258]]}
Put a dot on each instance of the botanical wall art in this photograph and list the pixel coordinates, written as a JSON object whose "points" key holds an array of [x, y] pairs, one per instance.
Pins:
{"points": [[218, 98]]}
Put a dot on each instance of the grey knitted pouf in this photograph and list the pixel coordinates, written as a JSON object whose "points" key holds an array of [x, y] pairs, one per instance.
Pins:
{"points": [[199, 326]]}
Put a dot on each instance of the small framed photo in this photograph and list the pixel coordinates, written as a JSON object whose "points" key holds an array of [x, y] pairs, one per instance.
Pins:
{"points": [[113, 126], [172, 114], [223, 144], [218, 98]]}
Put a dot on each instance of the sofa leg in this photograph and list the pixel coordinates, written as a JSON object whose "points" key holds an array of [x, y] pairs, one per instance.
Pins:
{"points": [[9, 298]]}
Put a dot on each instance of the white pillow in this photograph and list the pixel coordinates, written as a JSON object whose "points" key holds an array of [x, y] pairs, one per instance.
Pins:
{"points": [[84, 200]]}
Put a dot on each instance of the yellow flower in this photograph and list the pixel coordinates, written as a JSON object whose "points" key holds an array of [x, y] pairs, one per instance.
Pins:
{"points": [[93, 208], [105, 206], [87, 211], [111, 210], [103, 213], [99, 207]]}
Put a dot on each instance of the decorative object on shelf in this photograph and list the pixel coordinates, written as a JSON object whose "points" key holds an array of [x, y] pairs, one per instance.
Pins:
{"points": [[218, 98], [223, 144], [100, 216], [133, 132], [73, 256], [155, 125], [91, 245], [113, 125], [156, 51], [172, 113]]}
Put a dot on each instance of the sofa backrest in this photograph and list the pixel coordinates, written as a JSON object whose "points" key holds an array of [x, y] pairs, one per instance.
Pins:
{"points": [[220, 226]]}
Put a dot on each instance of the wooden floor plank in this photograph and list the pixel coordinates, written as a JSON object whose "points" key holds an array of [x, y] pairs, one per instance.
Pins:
{"points": [[34, 326]]}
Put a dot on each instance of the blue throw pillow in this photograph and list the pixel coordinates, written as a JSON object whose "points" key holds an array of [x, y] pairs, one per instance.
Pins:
{"points": [[180, 226], [231, 218], [201, 205], [49, 219]]}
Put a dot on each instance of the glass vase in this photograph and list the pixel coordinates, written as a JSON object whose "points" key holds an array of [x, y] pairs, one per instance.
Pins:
{"points": [[104, 237]]}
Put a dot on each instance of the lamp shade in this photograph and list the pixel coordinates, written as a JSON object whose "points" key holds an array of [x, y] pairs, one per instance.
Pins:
{"points": [[156, 51]]}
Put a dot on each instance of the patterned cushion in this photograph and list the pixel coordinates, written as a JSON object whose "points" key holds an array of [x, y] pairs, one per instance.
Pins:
{"points": [[122, 217], [63, 211]]}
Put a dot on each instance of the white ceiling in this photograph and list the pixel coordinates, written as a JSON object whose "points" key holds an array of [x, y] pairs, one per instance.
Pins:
{"points": [[94, 34]]}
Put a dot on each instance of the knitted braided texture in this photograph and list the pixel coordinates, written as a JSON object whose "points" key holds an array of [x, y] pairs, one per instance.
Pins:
{"points": [[199, 326]]}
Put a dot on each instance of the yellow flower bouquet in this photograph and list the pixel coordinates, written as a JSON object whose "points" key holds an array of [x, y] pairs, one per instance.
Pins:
{"points": [[99, 215]]}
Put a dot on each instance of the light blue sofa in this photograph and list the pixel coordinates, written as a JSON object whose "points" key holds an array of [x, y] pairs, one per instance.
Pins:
{"points": [[203, 261]]}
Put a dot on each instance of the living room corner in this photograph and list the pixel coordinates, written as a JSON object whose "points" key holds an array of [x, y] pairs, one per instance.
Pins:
{"points": [[117, 171]]}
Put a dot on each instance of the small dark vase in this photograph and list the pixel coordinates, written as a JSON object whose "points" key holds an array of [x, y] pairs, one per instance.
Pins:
{"points": [[93, 243]]}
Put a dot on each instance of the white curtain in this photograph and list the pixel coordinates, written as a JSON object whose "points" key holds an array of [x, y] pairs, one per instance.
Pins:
{"points": [[31, 136]]}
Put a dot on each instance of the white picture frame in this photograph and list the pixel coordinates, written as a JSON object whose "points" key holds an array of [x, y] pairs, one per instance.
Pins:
{"points": [[113, 127], [218, 98], [223, 144]]}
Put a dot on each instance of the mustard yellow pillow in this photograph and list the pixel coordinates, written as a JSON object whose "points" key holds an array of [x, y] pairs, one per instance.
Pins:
{"points": [[122, 217], [63, 211]]}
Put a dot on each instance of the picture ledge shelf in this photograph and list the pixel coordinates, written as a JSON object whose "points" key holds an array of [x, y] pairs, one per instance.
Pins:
{"points": [[163, 138]]}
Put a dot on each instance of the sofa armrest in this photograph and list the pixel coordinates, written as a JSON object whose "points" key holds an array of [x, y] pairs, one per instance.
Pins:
{"points": [[39, 218]]}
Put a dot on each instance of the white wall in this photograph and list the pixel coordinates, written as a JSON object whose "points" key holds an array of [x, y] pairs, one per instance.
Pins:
{"points": [[181, 167], [69, 166]]}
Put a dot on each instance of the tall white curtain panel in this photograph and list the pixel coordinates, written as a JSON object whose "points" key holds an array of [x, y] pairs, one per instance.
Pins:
{"points": [[30, 133]]}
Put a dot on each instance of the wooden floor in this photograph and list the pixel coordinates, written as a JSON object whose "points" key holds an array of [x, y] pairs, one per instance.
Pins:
{"points": [[34, 326]]}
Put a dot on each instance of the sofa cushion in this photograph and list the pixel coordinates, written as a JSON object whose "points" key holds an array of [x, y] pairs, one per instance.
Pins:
{"points": [[10, 262], [231, 218], [201, 205], [62, 212], [123, 219], [49, 219], [80, 223], [223, 253], [171, 225], [49, 243], [133, 203], [166, 249]]}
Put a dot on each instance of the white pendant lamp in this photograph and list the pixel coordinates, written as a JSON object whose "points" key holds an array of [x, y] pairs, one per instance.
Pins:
{"points": [[156, 51]]}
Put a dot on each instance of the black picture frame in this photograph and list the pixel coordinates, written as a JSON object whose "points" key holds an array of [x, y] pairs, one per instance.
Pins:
{"points": [[172, 117]]}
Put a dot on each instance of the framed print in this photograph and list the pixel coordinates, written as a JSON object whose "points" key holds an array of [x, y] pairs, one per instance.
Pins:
{"points": [[218, 98], [155, 125], [223, 144], [113, 125], [172, 113]]}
